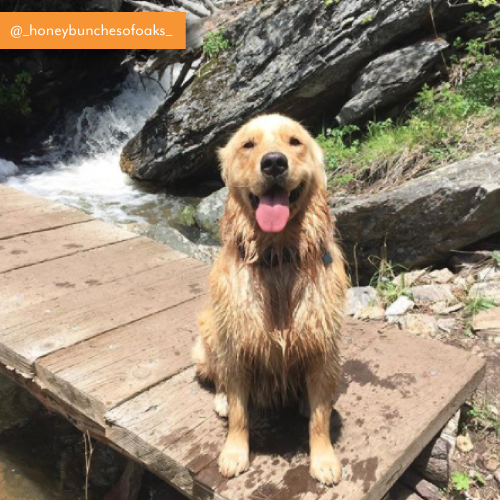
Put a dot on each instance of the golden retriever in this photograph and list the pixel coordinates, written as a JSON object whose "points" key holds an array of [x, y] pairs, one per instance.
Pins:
{"points": [[277, 290]]}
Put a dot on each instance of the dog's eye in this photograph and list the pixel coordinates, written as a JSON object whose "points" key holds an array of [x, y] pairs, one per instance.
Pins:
{"points": [[294, 141], [249, 145]]}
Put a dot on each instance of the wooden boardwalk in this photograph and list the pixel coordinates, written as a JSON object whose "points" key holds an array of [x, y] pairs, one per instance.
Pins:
{"points": [[98, 324]]}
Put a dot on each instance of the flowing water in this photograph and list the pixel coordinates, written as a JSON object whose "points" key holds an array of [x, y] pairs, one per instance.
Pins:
{"points": [[81, 167]]}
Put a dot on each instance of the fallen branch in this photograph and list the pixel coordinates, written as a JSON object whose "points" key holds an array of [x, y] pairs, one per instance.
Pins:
{"points": [[193, 8]]}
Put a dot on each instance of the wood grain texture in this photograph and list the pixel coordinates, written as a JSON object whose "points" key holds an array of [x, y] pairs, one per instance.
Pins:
{"points": [[29, 249], [44, 328], [391, 403], [101, 373], [31, 285], [24, 214]]}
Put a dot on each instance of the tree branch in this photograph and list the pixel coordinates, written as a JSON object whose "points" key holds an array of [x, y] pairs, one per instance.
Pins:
{"points": [[149, 6], [209, 5], [193, 8]]}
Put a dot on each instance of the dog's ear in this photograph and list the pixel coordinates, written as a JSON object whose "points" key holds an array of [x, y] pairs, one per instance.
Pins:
{"points": [[223, 154], [318, 160]]}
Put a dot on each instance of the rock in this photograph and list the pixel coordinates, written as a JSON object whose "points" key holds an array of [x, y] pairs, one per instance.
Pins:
{"points": [[424, 488], [405, 280], [447, 325], [441, 276], [17, 407], [420, 324], [497, 340], [294, 57], [7, 168], [210, 211], [488, 274], [374, 313], [497, 477], [391, 78], [428, 294], [488, 320], [489, 290], [359, 298], [398, 308], [464, 444], [424, 219], [491, 464]]}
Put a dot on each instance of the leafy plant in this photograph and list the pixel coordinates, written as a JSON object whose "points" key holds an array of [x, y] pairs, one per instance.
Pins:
{"points": [[214, 43], [483, 417], [496, 257], [14, 96], [383, 281], [477, 304], [460, 481]]}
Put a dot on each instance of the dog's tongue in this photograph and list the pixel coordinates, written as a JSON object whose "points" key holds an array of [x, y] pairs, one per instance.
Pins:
{"points": [[273, 211]]}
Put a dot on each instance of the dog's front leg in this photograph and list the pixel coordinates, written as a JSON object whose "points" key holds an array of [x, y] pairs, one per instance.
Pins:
{"points": [[235, 456], [325, 466]]}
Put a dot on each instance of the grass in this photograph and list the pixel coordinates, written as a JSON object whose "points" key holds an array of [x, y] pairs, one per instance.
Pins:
{"points": [[446, 124], [383, 281], [476, 304]]}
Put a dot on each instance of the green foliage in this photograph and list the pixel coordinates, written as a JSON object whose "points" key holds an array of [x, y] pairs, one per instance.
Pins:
{"points": [[366, 20], [431, 134], [482, 417], [383, 281], [496, 257], [214, 43], [460, 481], [477, 304], [484, 3], [14, 96]]}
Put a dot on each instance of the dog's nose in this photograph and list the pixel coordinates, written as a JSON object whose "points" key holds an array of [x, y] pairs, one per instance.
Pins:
{"points": [[274, 164]]}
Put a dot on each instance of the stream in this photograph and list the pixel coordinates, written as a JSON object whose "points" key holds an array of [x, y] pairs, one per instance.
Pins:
{"points": [[81, 166]]}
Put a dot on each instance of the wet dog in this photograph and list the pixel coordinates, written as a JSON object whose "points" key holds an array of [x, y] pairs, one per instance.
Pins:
{"points": [[277, 290]]}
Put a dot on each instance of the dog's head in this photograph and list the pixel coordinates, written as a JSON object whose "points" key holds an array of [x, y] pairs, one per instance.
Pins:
{"points": [[272, 166]]}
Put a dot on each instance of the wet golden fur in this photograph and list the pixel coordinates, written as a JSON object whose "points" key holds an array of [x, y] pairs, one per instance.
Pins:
{"points": [[272, 333]]}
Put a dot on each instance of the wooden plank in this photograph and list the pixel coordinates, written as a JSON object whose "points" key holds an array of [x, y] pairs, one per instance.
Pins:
{"points": [[55, 278], [44, 328], [39, 217], [29, 249], [98, 374], [398, 390], [13, 201]]}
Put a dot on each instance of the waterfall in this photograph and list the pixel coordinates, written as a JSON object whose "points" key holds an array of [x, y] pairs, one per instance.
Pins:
{"points": [[82, 168]]}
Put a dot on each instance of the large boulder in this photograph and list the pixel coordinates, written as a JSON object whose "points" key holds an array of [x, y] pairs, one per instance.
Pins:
{"points": [[297, 57], [421, 221], [390, 78]]}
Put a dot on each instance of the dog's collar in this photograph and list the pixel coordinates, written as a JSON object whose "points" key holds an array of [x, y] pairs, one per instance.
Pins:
{"points": [[270, 258]]}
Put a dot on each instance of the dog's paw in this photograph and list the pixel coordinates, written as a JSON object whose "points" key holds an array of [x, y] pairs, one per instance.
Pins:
{"points": [[221, 405], [233, 461], [326, 467]]}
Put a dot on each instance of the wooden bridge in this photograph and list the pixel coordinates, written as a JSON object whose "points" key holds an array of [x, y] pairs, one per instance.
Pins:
{"points": [[98, 324]]}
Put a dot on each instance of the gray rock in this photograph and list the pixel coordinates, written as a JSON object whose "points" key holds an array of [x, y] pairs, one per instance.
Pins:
{"points": [[425, 218], [497, 477], [488, 289], [359, 298], [391, 77], [420, 324], [488, 274], [294, 57], [428, 294], [398, 308], [209, 212]]}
